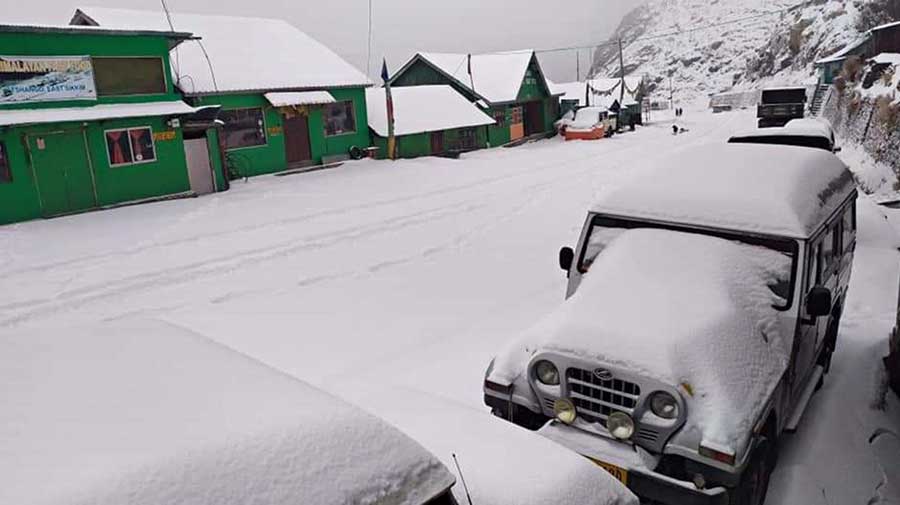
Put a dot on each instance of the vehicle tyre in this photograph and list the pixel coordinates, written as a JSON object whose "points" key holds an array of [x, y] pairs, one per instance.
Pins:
{"points": [[754, 482]]}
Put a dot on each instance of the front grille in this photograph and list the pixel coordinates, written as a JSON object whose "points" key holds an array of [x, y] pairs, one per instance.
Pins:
{"points": [[596, 399], [648, 435], [549, 403]]}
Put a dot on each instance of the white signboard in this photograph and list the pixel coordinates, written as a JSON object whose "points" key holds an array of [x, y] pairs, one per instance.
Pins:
{"points": [[25, 79]]}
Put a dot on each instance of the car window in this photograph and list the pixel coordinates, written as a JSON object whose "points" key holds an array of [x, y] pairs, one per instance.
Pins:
{"points": [[827, 253], [849, 226], [812, 271]]}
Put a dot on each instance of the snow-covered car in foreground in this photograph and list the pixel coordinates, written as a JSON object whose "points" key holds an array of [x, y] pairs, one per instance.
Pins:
{"points": [[501, 464], [797, 132], [704, 303], [892, 361], [590, 123], [147, 413]]}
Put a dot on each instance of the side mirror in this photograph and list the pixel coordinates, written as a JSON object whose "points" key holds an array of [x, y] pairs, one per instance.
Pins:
{"points": [[837, 149], [818, 302], [566, 257]]}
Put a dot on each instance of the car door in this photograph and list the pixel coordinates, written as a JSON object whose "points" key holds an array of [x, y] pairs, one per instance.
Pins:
{"points": [[809, 328]]}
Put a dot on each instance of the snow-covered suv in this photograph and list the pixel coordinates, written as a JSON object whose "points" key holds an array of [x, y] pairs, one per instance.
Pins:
{"points": [[703, 307]]}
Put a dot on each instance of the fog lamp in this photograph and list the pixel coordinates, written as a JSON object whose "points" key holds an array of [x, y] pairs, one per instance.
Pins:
{"points": [[565, 410], [620, 425]]}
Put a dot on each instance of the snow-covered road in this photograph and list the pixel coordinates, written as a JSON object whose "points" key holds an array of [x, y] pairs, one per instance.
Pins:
{"points": [[410, 273]]}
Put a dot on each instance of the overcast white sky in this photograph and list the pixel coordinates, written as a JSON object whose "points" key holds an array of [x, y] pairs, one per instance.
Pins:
{"points": [[402, 27]]}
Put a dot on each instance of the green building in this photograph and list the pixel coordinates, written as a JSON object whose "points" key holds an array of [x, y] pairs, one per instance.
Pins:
{"points": [[90, 118], [287, 101], [428, 121], [509, 87]]}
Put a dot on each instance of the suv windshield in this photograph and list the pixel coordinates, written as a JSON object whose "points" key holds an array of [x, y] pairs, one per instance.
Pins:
{"points": [[604, 230]]}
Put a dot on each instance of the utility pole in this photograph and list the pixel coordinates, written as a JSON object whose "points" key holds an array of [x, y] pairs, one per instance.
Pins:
{"points": [[671, 94], [622, 71], [577, 65]]}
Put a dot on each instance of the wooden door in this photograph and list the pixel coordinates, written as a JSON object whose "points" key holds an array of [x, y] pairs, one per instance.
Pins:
{"points": [[534, 118], [437, 142], [62, 172], [296, 139]]}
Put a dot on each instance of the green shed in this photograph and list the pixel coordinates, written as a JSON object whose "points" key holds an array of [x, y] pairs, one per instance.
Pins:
{"points": [[428, 121], [509, 87], [90, 118], [287, 101]]}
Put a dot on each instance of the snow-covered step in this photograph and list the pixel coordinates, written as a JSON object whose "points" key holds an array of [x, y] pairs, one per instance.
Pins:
{"points": [[797, 414]]}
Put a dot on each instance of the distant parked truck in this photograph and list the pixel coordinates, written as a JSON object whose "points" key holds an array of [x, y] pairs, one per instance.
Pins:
{"points": [[777, 106]]}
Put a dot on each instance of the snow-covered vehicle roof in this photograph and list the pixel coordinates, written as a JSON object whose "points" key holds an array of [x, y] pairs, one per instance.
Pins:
{"points": [[775, 190], [502, 464], [809, 126], [792, 130], [245, 53], [805, 132], [587, 118], [681, 308], [420, 109], [147, 413]]}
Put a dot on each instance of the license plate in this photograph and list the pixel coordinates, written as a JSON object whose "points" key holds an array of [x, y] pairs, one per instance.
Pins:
{"points": [[619, 473]]}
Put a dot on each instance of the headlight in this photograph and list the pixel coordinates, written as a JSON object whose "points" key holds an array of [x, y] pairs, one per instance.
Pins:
{"points": [[664, 405], [620, 425], [565, 410], [547, 373]]}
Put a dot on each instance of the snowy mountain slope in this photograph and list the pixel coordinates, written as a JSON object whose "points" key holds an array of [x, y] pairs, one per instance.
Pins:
{"points": [[696, 43]]}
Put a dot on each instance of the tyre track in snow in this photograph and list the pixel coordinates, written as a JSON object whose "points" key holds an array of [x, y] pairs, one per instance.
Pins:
{"points": [[76, 298], [334, 212], [70, 299]]}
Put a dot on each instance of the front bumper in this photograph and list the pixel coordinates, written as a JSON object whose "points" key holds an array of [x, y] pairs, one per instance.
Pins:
{"points": [[650, 486]]}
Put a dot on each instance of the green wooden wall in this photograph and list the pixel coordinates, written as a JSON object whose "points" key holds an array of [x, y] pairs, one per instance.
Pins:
{"points": [[419, 144], [64, 44], [19, 200], [271, 157]]}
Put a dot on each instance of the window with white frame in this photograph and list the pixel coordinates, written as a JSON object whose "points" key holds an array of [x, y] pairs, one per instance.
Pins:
{"points": [[129, 146], [339, 118]]}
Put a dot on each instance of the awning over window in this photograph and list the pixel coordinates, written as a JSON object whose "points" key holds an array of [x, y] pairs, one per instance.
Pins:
{"points": [[290, 99], [97, 112]]}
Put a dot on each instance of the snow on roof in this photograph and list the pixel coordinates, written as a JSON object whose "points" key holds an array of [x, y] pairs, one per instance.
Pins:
{"points": [[843, 53], [706, 318], [502, 464], [892, 24], [570, 91], [419, 109], [497, 77], [887, 58], [52, 28], [291, 98], [777, 190], [145, 412], [246, 54], [96, 112]]}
